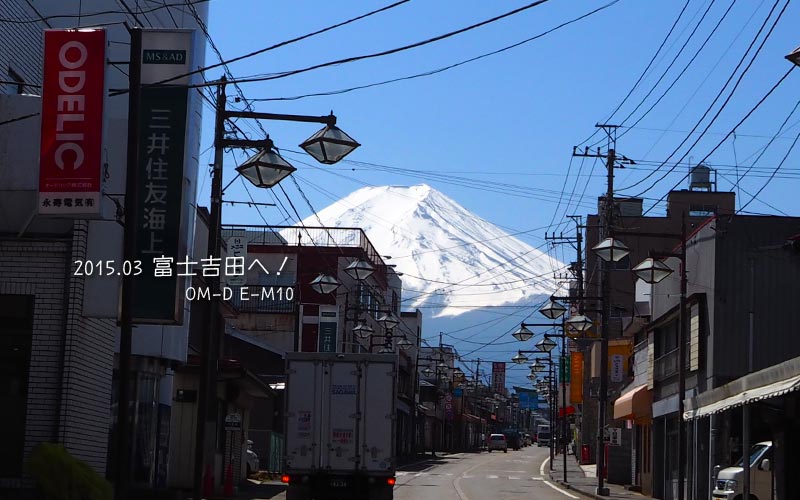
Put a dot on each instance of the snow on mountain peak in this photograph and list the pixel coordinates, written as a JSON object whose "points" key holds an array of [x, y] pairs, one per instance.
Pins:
{"points": [[449, 256]]}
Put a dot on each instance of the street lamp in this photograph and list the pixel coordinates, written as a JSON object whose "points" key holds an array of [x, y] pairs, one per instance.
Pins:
{"points": [[266, 168], [522, 334], [538, 367], [794, 56], [553, 310], [651, 270], [519, 358], [579, 323], [330, 144], [325, 284], [388, 320], [359, 270], [546, 344], [611, 250], [404, 344], [363, 330]]}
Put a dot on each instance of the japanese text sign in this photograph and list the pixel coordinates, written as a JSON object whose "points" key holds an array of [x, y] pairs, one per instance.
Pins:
{"points": [[73, 92]]}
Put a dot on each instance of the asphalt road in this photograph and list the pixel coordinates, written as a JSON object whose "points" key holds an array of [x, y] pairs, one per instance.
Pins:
{"points": [[515, 475]]}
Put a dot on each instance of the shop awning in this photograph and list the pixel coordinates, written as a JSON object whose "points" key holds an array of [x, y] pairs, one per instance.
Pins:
{"points": [[635, 403], [768, 383]]}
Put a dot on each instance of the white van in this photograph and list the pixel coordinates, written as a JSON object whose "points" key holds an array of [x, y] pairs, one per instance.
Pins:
{"points": [[543, 435], [728, 484]]}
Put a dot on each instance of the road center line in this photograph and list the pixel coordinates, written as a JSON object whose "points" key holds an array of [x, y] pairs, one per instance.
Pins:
{"points": [[457, 481]]}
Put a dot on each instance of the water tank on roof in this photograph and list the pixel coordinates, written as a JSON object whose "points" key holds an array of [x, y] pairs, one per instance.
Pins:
{"points": [[700, 178]]}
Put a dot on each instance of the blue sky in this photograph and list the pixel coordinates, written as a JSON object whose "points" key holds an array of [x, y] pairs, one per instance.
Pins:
{"points": [[513, 118]]}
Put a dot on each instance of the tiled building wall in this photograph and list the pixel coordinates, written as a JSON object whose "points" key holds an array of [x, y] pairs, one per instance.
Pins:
{"points": [[72, 357]]}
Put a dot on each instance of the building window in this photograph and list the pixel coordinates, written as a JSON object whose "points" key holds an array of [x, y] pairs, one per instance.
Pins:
{"points": [[16, 330]]}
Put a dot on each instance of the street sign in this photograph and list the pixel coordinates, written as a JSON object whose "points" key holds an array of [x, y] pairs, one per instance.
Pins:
{"points": [[613, 436], [233, 422], [237, 247]]}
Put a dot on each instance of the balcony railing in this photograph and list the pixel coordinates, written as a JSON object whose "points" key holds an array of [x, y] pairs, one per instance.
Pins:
{"points": [[666, 365], [266, 299]]}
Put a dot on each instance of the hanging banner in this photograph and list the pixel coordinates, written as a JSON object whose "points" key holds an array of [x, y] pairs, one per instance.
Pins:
{"points": [[73, 91], [564, 369], [158, 291], [576, 385], [499, 377], [619, 353]]}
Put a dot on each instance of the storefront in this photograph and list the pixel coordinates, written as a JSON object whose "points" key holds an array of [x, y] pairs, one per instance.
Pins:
{"points": [[772, 394], [635, 406]]}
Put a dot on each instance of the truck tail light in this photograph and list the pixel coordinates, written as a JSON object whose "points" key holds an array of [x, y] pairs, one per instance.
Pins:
{"points": [[390, 481], [285, 478]]}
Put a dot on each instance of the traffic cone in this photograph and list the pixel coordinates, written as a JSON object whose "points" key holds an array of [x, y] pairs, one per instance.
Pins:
{"points": [[208, 482], [229, 481]]}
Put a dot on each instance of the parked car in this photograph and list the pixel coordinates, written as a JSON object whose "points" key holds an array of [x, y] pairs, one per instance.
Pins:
{"points": [[252, 459], [527, 439], [513, 438], [498, 442], [728, 484]]}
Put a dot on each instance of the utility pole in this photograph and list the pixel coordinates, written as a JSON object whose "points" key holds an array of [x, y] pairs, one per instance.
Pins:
{"points": [[608, 224], [123, 434], [206, 398], [578, 274]]}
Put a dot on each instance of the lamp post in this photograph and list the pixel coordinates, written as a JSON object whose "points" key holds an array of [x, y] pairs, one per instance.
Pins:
{"points": [[428, 372], [652, 270], [609, 250], [536, 368], [264, 169], [359, 270]]}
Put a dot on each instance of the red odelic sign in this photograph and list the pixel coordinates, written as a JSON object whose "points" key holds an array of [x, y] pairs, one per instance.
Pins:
{"points": [[72, 121]]}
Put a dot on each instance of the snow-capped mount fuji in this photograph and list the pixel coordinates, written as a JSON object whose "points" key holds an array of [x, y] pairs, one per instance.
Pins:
{"points": [[448, 255]]}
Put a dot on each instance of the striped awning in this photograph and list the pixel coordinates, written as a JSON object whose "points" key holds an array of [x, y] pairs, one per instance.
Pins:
{"points": [[768, 383]]}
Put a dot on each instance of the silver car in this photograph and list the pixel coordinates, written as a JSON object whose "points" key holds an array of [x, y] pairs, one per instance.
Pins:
{"points": [[498, 442]]}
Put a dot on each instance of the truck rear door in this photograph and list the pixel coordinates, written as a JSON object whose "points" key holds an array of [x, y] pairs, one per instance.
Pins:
{"points": [[303, 413], [378, 414], [340, 388]]}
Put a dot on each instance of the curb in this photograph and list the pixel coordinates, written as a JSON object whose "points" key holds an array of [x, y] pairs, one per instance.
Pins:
{"points": [[570, 487]]}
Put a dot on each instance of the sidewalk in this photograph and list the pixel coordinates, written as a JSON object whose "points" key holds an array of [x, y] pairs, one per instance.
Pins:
{"points": [[582, 480]]}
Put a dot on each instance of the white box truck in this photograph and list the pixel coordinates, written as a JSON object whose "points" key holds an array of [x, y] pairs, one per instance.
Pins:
{"points": [[340, 426]]}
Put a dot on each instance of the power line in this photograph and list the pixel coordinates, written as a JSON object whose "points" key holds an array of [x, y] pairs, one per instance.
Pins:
{"points": [[95, 14], [724, 104], [437, 70], [394, 50], [752, 110]]}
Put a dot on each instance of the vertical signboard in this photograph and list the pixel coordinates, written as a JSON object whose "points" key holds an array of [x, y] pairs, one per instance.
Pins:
{"points": [[328, 324], [237, 247], [499, 377], [576, 385], [618, 355], [162, 131], [73, 91]]}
